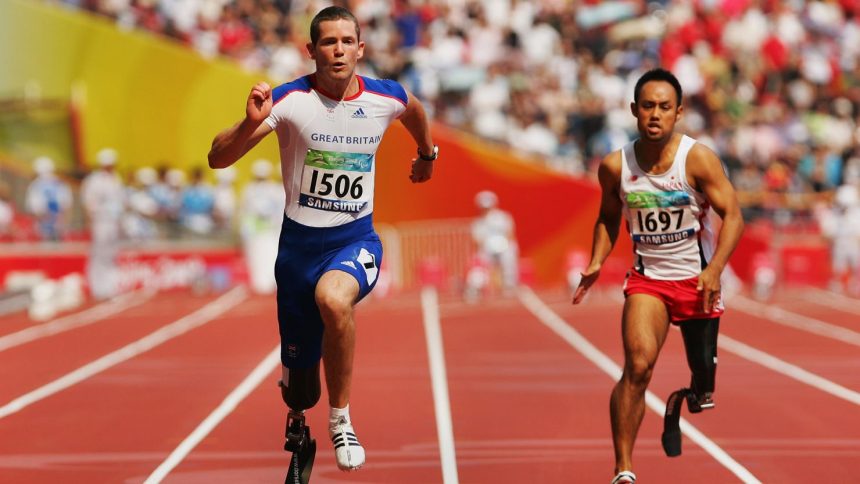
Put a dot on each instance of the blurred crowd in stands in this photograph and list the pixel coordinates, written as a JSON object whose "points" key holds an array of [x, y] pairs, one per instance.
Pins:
{"points": [[772, 86], [149, 203]]}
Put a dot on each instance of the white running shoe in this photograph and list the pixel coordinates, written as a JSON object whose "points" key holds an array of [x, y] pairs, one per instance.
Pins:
{"points": [[624, 477], [348, 452]]}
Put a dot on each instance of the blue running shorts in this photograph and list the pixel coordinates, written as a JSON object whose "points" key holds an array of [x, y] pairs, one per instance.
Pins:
{"points": [[304, 255]]}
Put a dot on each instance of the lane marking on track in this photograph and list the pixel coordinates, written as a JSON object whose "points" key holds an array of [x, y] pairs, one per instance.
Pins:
{"points": [[71, 321], [796, 321], [439, 381], [832, 299], [573, 337], [226, 407], [165, 333], [792, 371]]}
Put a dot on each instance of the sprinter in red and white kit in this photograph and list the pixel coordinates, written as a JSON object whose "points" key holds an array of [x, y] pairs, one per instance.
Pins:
{"points": [[663, 184]]}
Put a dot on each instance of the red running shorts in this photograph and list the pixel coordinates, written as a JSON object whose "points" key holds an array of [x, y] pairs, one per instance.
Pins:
{"points": [[681, 298]]}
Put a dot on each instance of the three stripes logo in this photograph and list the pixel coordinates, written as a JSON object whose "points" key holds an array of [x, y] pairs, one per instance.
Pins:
{"points": [[344, 437], [359, 114]]}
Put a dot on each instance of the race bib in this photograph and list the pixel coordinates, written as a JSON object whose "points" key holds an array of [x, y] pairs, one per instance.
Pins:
{"points": [[336, 182], [660, 218]]}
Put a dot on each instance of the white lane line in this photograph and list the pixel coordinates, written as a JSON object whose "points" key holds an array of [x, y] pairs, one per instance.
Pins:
{"points": [[554, 322], [439, 381], [71, 321], [792, 371], [828, 298], [163, 334], [794, 320], [229, 404]]}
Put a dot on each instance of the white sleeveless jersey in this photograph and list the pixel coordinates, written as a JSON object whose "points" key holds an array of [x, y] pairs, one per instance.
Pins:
{"points": [[666, 217], [328, 147]]}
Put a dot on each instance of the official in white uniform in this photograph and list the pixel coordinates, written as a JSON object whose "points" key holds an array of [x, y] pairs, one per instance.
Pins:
{"points": [[103, 198], [493, 233], [262, 213], [841, 224]]}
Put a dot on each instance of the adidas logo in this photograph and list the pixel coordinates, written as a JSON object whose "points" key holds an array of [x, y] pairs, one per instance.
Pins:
{"points": [[348, 262], [359, 114]]}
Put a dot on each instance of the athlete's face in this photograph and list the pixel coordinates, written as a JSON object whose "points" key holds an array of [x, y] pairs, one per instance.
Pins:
{"points": [[657, 110], [337, 50]]}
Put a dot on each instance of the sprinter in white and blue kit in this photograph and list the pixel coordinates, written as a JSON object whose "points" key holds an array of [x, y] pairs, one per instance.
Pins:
{"points": [[329, 125]]}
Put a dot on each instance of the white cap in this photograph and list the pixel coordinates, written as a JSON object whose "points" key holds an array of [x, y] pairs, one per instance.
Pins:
{"points": [[146, 175], [226, 175], [106, 157], [43, 165], [486, 199], [175, 177], [261, 168], [846, 196]]}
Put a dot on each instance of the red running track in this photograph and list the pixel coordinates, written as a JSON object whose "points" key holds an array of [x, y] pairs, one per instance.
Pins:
{"points": [[525, 405]]}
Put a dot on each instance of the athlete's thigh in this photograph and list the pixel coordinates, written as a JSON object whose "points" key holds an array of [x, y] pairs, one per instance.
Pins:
{"points": [[644, 326], [360, 261]]}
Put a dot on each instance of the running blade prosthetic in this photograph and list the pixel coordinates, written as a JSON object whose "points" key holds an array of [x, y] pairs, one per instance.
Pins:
{"points": [[671, 437], [303, 447]]}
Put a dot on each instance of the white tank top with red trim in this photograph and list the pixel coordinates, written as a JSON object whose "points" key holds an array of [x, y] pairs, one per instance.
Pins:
{"points": [[666, 217]]}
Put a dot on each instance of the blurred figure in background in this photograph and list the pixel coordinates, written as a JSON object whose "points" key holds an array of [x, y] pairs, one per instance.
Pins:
{"points": [[49, 199], [7, 212], [224, 208], [103, 198], [139, 223], [498, 252], [197, 204], [262, 211], [171, 205], [841, 224]]}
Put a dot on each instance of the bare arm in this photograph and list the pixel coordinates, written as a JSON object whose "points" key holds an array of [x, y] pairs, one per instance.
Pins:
{"points": [[706, 173], [232, 143], [414, 118], [608, 222]]}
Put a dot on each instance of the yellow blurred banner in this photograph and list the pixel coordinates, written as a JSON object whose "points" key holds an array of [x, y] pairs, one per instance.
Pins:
{"points": [[155, 102]]}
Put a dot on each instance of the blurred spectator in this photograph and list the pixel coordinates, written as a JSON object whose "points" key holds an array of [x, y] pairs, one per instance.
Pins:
{"points": [[166, 197], [197, 205], [554, 78], [224, 206], [821, 169], [262, 213], [103, 198], [139, 221], [841, 224], [49, 199], [497, 249], [7, 212]]}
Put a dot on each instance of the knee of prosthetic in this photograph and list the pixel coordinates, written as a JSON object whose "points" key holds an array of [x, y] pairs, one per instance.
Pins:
{"points": [[700, 343], [302, 389]]}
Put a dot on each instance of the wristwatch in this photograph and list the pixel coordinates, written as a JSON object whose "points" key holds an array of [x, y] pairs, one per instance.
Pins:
{"points": [[429, 157]]}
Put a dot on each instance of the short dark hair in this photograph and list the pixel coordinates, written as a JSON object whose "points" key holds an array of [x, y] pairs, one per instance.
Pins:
{"points": [[657, 74], [332, 13]]}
